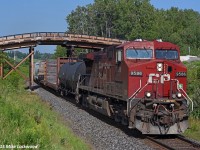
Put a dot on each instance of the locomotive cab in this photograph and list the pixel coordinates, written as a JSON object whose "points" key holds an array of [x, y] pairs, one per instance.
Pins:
{"points": [[157, 101]]}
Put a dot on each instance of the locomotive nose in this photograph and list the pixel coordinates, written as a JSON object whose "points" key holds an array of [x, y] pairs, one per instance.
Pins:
{"points": [[165, 78]]}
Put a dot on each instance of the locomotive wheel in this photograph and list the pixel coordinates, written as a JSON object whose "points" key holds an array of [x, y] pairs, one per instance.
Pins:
{"points": [[84, 101], [117, 118], [77, 100], [62, 93]]}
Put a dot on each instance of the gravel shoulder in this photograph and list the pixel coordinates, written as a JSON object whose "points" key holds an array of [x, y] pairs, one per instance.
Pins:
{"points": [[99, 134]]}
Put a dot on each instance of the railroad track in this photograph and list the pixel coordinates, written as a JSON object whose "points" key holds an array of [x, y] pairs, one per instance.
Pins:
{"points": [[169, 142], [172, 142]]}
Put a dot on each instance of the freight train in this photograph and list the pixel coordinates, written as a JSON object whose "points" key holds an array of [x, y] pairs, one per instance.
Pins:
{"points": [[141, 84]]}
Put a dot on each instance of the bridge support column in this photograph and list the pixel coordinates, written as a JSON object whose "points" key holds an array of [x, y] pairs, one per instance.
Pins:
{"points": [[1, 70], [1, 65], [31, 67]]}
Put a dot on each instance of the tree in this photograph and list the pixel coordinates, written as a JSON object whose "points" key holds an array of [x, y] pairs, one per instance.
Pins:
{"points": [[60, 52], [131, 19], [3, 57], [37, 54]]}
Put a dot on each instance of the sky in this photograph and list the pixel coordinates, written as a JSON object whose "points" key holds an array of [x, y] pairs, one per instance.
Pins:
{"points": [[26, 16], [182, 4]]}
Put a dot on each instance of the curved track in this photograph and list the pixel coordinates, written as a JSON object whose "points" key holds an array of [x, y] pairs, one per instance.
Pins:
{"points": [[161, 142], [173, 142]]}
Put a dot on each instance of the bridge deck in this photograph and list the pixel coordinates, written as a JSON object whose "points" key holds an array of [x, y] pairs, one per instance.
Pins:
{"points": [[55, 38]]}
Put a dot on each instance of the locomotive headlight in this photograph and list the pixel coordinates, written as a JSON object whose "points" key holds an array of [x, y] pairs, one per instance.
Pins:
{"points": [[148, 94], [179, 95], [159, 67]]}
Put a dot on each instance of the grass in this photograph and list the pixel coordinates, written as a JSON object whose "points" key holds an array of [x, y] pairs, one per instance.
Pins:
{"points": [[194, 130], [26, 120], [193, 89]]}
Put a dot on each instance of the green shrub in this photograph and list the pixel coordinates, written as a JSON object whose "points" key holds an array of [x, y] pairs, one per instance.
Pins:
{"points": [[193, 78], [26, 120]]}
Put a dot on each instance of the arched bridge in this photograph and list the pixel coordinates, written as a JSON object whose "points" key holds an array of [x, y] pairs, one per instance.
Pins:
{"points": [[55, 38], [31, 40]]}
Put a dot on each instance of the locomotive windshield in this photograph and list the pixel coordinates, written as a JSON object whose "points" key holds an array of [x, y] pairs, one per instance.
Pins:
{"points": [[166, 54], [139, 54]]}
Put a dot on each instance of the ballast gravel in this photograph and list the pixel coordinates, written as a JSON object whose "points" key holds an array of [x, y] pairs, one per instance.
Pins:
{"points": [[98, 133]]}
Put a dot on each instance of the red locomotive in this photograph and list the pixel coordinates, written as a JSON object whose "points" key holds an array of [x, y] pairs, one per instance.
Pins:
{"points": [[140, 83]]}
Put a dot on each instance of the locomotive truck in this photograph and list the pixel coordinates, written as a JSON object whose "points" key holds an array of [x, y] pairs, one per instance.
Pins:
{"points": [[141, 84]]}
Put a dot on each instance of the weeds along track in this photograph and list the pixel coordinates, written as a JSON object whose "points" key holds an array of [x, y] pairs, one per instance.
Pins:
{"points": [[171, 142], [99, 131], [103, 133]]}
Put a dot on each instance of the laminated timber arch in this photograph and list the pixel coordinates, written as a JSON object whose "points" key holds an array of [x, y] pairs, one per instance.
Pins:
{"points": [[55, 38], [31, 40]]}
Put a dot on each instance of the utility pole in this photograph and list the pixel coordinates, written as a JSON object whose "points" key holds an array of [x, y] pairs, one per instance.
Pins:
{"points": [[14, 57], [189, 50]]}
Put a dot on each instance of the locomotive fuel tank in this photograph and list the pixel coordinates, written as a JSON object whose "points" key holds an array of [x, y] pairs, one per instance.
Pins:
{"points": [[69, 73]]}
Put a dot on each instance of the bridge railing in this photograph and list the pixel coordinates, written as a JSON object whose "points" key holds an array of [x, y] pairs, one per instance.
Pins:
{"points": [[35, 36]]}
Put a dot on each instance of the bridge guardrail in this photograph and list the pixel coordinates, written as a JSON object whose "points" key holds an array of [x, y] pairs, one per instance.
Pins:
{"points": [[52, 38]]}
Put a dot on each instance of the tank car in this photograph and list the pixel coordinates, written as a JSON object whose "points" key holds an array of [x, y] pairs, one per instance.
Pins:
{"points": [[141, 84], [69, 76]]}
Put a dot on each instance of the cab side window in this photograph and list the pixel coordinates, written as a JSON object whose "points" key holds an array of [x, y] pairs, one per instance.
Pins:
{"points": [[118, 56]]}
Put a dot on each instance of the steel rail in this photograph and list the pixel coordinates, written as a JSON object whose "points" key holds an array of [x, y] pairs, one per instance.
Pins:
{"points": [[164, 144], [195, 144], [159, 143]]}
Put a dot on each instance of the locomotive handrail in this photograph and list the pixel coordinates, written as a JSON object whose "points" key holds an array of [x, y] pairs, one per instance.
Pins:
{"points": [[187, 98], [130, 99], [136, 90]]}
